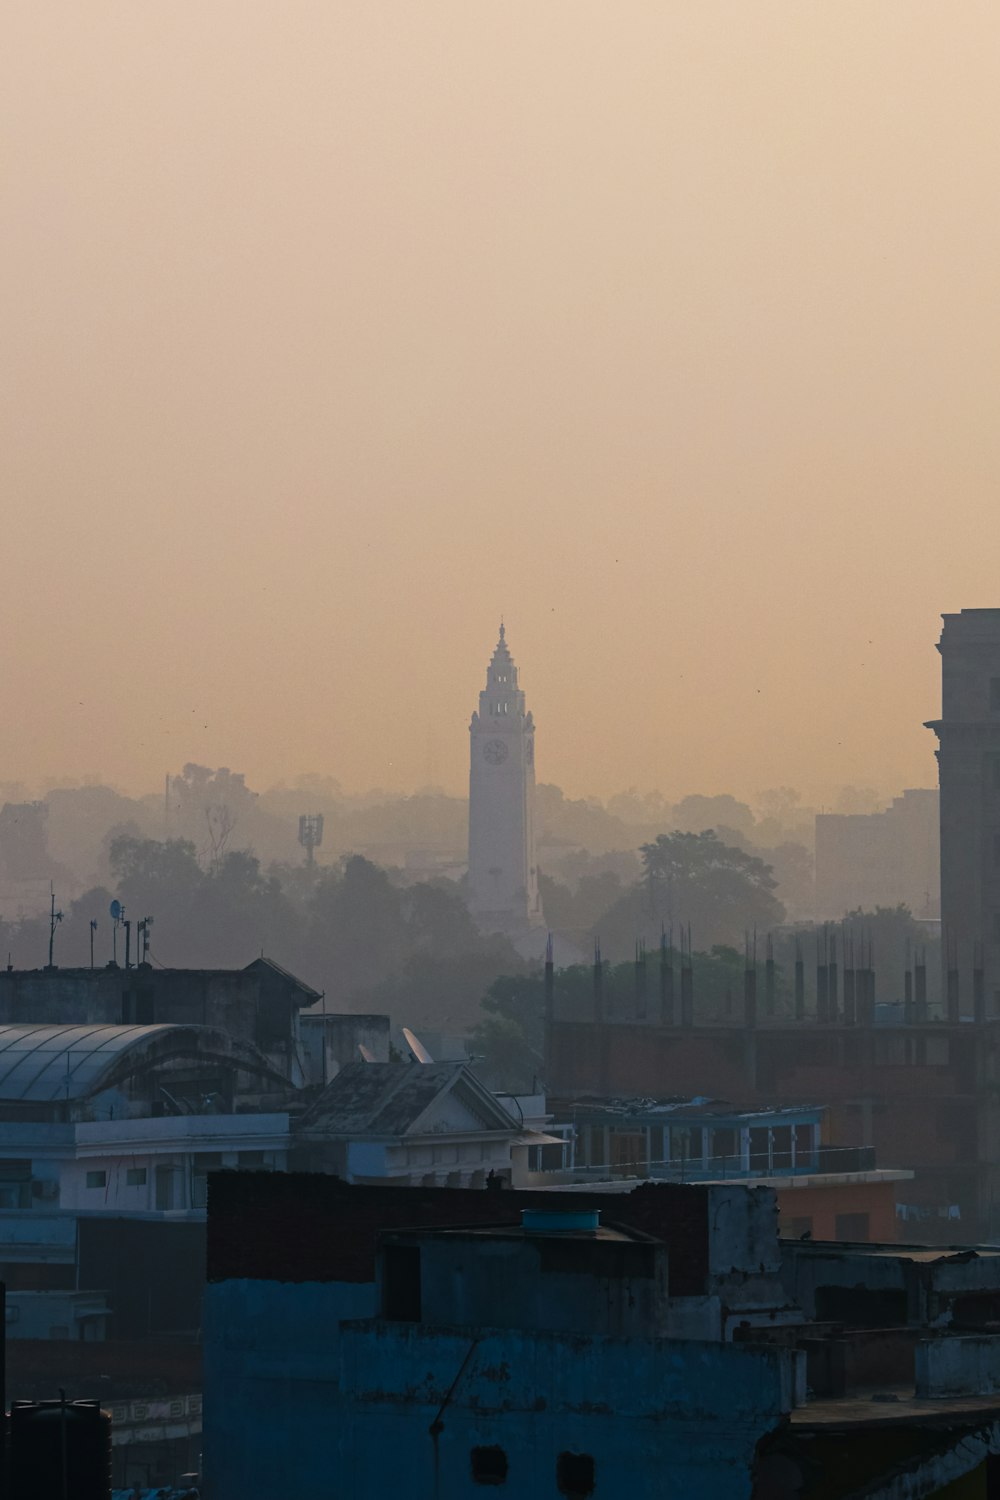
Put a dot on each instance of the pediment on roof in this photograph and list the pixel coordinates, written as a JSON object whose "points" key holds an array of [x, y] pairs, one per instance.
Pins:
{"points": [[462, 1109]]}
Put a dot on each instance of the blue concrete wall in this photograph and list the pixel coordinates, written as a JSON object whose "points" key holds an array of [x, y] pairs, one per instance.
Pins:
{"points": [[272, 1361], [296, 1405], [657, 1417]]}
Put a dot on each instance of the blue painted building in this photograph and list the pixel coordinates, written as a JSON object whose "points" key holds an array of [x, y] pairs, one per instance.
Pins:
{"points": [[364, 1342]]}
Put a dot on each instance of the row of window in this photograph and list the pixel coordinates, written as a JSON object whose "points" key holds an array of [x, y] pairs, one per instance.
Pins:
{"points": [[210, 1162], [574, 1471], [134, 1177], [853, 1227]]}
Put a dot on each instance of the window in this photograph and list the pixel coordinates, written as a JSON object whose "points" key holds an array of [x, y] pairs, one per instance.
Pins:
{"points": [[724, 1152], [781, 1147], [796, 1229], [852, 1227], [401, 1283], [489, 1465], [165, 1187], [15, 1184], [97, 1179], [575, 1475], [760, 1154], [135, 1177]]}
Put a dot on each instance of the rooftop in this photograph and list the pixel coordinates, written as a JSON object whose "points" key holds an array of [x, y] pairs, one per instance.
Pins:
{"points": [[63, 1062], [390, 1099], [697, 1107], [45, 1064]]}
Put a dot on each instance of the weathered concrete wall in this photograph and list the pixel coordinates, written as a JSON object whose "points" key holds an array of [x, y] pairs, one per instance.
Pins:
{"points": [[931, 1286], [330, 1042], [614, 1287], [297, 1404], [655, 1417], [804, 1272], [967, 1366], [271, 1385]]}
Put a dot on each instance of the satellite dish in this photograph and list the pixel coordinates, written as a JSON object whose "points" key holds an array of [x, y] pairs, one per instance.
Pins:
{"points": [[116, 910], [418, 1049], [367, 1055]]}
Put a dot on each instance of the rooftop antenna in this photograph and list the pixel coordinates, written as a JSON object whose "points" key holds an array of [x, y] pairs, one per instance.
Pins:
{"points": [[93, 929], [310, 835], [55, 917], [142, 940], [117, 912]]}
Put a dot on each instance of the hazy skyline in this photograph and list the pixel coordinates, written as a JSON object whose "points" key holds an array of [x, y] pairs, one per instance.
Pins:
{"points": [[331, 333]]}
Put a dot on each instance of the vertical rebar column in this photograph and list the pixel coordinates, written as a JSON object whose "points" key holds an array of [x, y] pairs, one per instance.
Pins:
{"points": [[666, 980], [770, 978], [687, 981], [978, 985], [850, 987], [920, 987], [800, 983], [550, 992], [598, 983], [832, 989], [640, 981], [952, 994], [908, 1007], [750, 987], [822, 981], [602, 1040]]}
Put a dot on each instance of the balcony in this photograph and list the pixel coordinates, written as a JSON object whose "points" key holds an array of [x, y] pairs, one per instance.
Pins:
{"points": [[812, 1162]]}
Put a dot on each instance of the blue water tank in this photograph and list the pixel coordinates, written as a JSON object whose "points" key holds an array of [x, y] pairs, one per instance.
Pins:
{"points": [[560, 1221]]}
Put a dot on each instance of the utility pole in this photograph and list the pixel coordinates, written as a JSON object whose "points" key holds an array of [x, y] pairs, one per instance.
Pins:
{"points": [[93, 929], [55, 917]]}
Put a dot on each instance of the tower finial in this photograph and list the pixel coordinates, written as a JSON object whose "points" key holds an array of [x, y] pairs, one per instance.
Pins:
{"points": [[502, 633]]}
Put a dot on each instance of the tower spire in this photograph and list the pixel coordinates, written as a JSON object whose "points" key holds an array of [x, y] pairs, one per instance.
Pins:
{"points": [[503, 874]]}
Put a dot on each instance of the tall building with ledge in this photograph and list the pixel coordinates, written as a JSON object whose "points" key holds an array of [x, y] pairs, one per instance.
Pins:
{"points": [[503, 873], [968, 756]]}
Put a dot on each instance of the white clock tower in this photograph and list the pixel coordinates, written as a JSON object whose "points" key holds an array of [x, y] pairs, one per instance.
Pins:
{"points": [[503, 876]]}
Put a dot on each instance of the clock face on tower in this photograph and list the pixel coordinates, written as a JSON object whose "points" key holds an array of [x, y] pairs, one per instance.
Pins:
{"points": [[494, 751]]}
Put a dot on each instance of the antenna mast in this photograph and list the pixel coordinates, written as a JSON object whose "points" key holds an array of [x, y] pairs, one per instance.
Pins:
{"points": [[55, 917]]}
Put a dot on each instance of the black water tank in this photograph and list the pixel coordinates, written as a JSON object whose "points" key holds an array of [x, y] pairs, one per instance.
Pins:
{"points": [[59, 1450]]}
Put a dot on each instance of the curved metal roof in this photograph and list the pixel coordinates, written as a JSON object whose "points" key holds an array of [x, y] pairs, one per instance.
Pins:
{"points": [[46, 1063]]}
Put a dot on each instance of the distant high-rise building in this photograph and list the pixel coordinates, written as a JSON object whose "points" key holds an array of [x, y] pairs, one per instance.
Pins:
{"points": [[503, 875], [968, 756], [885, 858]]}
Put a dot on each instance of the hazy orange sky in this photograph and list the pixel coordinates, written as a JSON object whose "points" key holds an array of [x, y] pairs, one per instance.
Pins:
{"points": [[331, 331]]}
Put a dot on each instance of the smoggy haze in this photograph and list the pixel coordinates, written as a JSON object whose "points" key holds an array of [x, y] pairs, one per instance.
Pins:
{"points": [[332, 331]]}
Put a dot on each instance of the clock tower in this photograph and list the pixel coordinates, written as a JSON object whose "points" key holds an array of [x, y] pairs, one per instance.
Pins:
{"points": [[503, 876]]}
